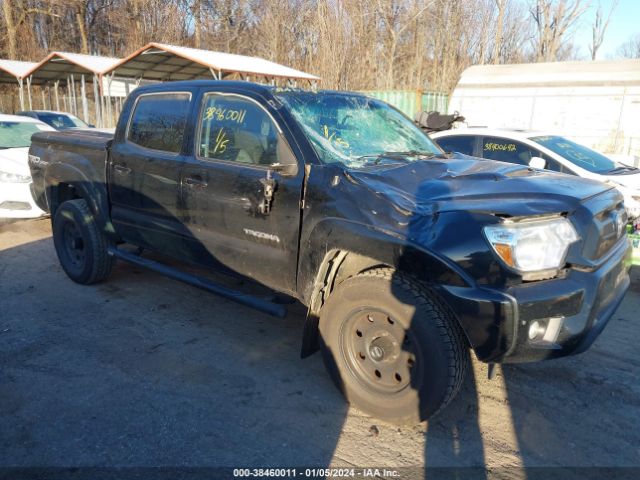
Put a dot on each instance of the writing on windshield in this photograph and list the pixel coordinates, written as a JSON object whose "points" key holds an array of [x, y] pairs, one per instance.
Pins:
{"points": [[352, 129], [577, 154]]}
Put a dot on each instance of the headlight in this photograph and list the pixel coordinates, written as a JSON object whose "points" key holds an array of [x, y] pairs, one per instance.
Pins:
{"points": [[7, 177], [533, 245]]}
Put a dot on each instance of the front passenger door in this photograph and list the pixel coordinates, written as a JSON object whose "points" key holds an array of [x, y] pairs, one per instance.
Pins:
{"points": [[240, 150]]}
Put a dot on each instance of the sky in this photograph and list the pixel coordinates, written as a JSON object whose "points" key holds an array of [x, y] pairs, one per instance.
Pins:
{"points": [[625, 23]]}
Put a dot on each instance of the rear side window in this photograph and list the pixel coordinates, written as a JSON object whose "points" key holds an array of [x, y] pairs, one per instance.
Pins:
{"points": [[158, 121], [461, 144], [506, 150]]}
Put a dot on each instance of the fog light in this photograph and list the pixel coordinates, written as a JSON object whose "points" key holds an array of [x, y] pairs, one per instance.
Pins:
{"points": [[536, 330]]}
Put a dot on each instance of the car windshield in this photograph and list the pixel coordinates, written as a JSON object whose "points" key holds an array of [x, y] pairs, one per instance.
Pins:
{"points": [[61, 121], [577, 154], [17, 134], [355, 130]]}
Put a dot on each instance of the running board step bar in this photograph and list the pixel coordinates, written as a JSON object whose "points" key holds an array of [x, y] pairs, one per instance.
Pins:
{"points": [[200, 282]]}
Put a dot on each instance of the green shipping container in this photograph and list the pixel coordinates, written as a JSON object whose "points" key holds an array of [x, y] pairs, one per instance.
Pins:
{"points": [[411, 102]]}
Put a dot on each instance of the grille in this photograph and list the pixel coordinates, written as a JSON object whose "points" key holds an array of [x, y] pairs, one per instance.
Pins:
{"points": [[600, 222]]}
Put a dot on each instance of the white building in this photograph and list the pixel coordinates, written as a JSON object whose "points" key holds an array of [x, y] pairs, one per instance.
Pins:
{"points": [[596, 103]]}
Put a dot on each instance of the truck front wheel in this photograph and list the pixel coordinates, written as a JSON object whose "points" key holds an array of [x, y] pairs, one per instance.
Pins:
{"points": [[392, 346], [80, 245]]}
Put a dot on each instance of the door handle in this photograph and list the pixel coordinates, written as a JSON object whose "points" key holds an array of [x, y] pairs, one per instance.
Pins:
{"points": [[195, 182], [121, 169]]}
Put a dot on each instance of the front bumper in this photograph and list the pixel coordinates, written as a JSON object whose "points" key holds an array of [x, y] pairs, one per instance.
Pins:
{"points": [[16, 201], [575, 309]]}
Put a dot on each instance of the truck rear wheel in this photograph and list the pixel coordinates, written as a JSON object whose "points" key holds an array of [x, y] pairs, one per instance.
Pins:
{"points": [[79, 243], [392, 346]]}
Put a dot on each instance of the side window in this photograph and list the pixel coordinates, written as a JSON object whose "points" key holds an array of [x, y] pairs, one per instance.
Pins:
{"points": [[158, 121], [552, 164], [506, 150], [462, 144], [236, 129]]}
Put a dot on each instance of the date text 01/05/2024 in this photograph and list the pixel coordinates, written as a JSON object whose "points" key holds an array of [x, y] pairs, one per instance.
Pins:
{"points": [[316, 472]]}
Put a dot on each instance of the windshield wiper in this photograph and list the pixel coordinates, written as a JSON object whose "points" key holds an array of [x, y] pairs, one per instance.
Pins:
{"points": [[377, 157], [623, 168]]}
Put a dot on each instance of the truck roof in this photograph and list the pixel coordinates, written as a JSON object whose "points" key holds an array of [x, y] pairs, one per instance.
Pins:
{"points": [[244, 85]]}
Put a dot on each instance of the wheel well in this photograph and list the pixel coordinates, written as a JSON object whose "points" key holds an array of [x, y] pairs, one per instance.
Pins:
{"points": [[338, 266], [60, 193]]}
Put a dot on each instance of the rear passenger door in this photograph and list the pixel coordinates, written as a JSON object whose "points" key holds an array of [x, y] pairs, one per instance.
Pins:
{"points": [[240, 149], [144, 172]]}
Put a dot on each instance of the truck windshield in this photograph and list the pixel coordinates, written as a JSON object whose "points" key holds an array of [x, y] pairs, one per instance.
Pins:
{"points": [[577, 154], [17, 134], [355, 130]]}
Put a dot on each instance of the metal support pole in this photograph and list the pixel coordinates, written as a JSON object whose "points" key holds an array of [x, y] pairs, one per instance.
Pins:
{"points": [[109, 109], [21, 93], [29, 92], [96, 101], [55, 91], [73, 96], [85, 105]]}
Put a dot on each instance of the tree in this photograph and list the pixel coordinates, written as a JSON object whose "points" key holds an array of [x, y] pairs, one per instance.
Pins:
{"points": [[630, 49], [553, 21], [599, 28]]}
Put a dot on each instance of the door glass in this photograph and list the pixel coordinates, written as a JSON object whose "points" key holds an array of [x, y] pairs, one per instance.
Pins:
{"points": [[506, 150], [158, 121], [461, 144], [237, 130]]}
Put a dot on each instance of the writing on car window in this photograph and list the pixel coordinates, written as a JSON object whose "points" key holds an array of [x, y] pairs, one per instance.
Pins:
{"points": [[235, 129], [499, 147], [353, 129]]}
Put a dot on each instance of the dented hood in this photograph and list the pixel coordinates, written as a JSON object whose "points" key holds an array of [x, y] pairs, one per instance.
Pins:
{"points": [[465, 183]]}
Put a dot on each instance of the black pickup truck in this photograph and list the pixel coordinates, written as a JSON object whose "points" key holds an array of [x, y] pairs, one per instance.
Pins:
{"points": [[406, 257]]}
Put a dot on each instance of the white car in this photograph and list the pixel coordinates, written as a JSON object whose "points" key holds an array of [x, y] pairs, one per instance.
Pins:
{"points": [[544, 150], [16, 200]]}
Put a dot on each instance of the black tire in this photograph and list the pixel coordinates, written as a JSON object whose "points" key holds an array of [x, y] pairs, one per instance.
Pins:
{"points": [[80, 245], [384, 310]]}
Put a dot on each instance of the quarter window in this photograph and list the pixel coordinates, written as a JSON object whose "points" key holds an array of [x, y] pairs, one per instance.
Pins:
{"points": [[158, 121], [506, 150], [236, 129], [461, 144]]}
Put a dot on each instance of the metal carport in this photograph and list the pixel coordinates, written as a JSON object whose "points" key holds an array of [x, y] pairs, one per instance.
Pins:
{"points": [[65, 67], [162, 62]]}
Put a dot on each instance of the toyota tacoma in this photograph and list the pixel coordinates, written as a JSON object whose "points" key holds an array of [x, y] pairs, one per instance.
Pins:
{"points": [[406, 258]]}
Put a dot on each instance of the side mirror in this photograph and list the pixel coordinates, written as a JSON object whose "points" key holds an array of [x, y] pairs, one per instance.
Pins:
{"points": [[288, 170], [537, 162]]}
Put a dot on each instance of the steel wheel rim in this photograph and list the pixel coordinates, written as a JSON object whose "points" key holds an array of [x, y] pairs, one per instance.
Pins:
{"points": [[74, 244], [378, 351]]}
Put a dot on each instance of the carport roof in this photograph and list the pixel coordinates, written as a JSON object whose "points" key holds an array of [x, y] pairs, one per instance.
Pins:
{"points": [[57, 65], [12, 70], [158, 61]]}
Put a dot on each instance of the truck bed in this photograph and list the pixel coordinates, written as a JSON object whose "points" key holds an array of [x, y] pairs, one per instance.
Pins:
{"points": [[76, 155]]}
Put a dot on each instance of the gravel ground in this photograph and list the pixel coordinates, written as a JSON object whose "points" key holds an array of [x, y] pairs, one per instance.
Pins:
{"points": [[145, 371]]}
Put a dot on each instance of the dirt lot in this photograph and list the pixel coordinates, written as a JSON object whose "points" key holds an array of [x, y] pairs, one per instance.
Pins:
{"points": [[145, 371]]}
